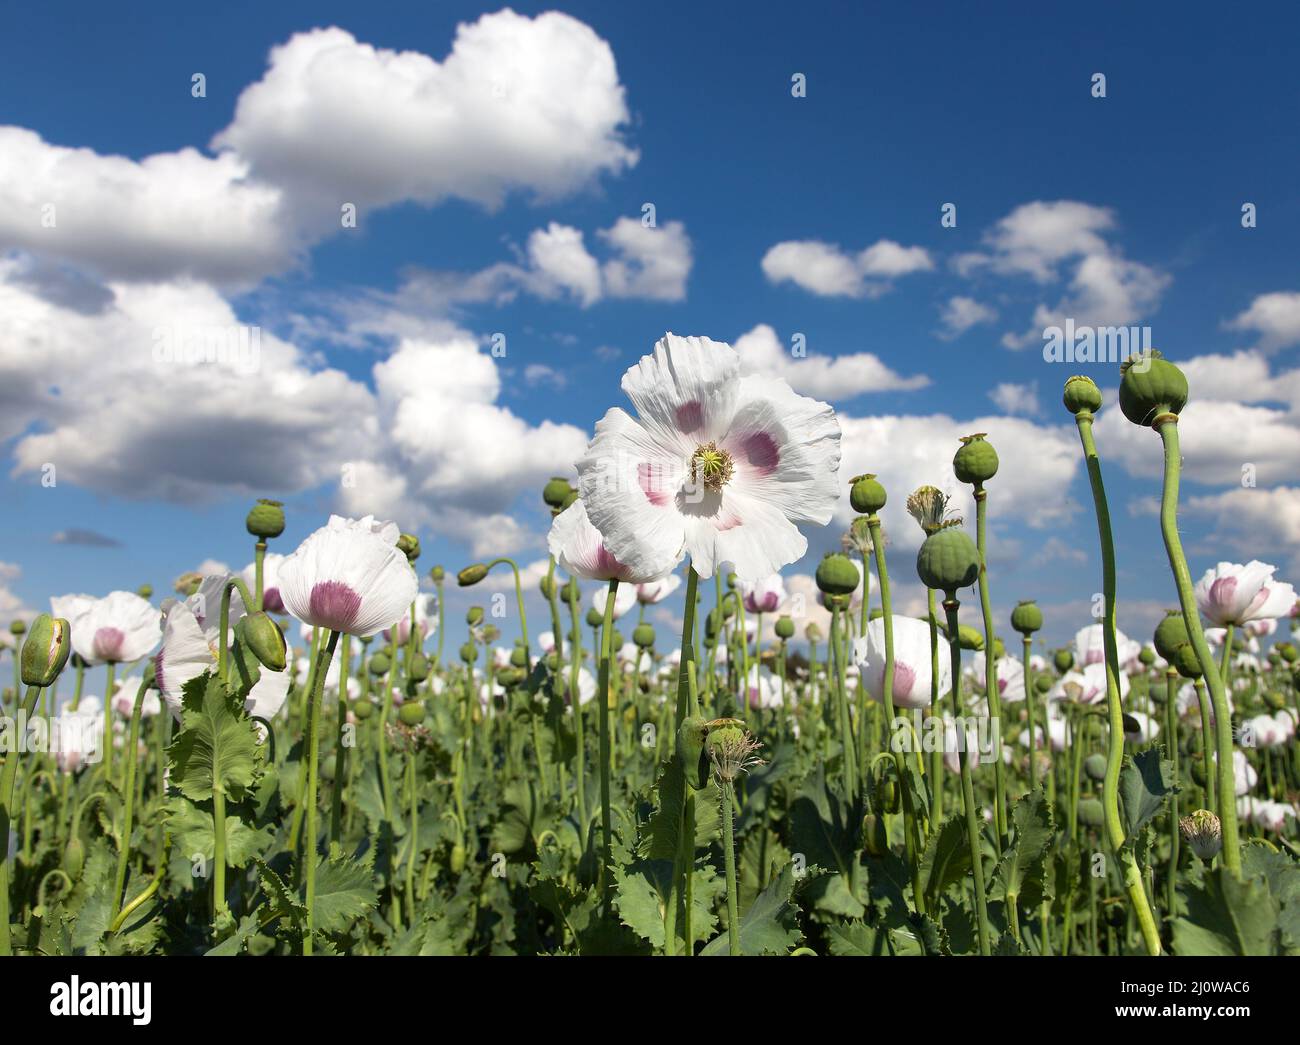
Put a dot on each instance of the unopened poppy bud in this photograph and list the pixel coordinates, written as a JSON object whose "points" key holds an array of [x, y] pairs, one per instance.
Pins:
{"points": [[145, 591], [264, 637], [1063, 659], [547, 587], [885, 793], [866, 494], [46, 650], [457, 858], [813, 633], [874, 840], [784, 627], [18, 628], [510, 677], [1082, 395], [976, 462], [474, 616], [1027, 618], [471, 575], [409, 545], [1288, 652], [555, 492], [1151, 387], [1147, 656], [836, 574], [1185, 661], [571, 592], [265, 519], [690, 752], [74, 856], [436, 574], [1203, 832], [469, 653], [412, 712], [1199, 776], [519, 657], [491, 633], [644, 635], [1273, 700], [1170, 633], [187, 584], [379, 664]]}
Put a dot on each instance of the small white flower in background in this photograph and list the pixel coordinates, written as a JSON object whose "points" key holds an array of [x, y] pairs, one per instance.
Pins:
{"points": [[1234, 594], [349, 576], [1087, 686], [192, 642], [715, 466], [426, 620], [763, 596], [1147, 729], [120, 627], [1090, 647], [1188, 705], [624, 600], [764, 689], [656, 591], [1010, 675], [912, 662]]}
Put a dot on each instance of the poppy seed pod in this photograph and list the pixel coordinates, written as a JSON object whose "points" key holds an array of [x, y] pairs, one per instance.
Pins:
{"points": [[18, 628], [970, 638], [409, 545], [569, 500], [1091, 813], [1273, 700], [46, 650], [1147, 656], [595, 618], [1151, 386], [976, 462], [187, 584], [1063, 660], [412, 712], [471, 575], [948, 560], [784, 628], [556, 492], [1185, 661], [866, 494], [1027, 618], [1169, 634], [1095, 767], [265, 519], [379, 664], [468, 653], [419, 667], [836, 574], [362, 709], [519, 657], [1042, 683], [510, 677], [474, 616], [644, 635], [263, 636], [1082, 395], [1288, 652]]}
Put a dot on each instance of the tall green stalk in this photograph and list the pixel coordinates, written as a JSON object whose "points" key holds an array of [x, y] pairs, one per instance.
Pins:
{"points": [[1115, 715], [991, 691], [606, 644], [7, 777], [313, 769]]}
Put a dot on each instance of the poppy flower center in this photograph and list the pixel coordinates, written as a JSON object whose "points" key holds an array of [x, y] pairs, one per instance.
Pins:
{"points": [[711, 466]]}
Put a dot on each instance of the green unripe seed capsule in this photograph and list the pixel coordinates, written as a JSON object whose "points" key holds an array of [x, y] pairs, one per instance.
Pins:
{"points": [[1082, 395], [1170, 633], [1150, 387], [836, 574], [866, 494], [265, 519], [976, 461], [1091, 813], [362, 709], [1095, 767], [644, 635], [379, 664], [556, 492], [412, 713], [1063, 659], [948, 560], [784, 627], [1027, 618]]}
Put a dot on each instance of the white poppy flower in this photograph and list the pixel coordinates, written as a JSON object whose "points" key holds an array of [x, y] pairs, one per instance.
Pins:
{"points": [[1234, 594], [764, 596], [624, 600], [1087, 686], [911, 662], [1010, 675], [1090, 648], [715, 466], [426, 620], [581, 551], [653, 592], [118, 628], [350, 577], [271, 601]]}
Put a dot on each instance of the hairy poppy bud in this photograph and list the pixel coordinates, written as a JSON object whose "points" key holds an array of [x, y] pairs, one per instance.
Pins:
{"points": [[948, 560], [1185, 661], [836, 574], [547, 587], [46, 650], [866, 494], [1082, 395], [1150, 387], [265, 519], [471, 575], [976, 461], [874, 840], [510, 677], [1027, 618], [457, 858], [74, 856], [595, 618], [1170, 633], [18, 628], [263, 636]]}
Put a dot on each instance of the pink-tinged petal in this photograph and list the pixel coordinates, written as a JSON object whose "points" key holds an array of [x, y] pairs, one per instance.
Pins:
{"points": [[654, 480], [690, 417], [685, 381], [334, 605], [271, 601], [760, 452], [1222, 592], [108, 643], [904, 680]]}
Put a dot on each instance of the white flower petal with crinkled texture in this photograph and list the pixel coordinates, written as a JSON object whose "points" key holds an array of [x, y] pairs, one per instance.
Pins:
{"points": [[581, 551], [119, 628], [781, 453], [350, 577]]}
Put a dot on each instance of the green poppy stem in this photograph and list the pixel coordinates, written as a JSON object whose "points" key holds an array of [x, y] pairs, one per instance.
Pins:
{"points": [[1114, 828], [606, 646], [1167, 425], [313, 771], [124, 852], [729, 862], [991, 691], [7, 777]]}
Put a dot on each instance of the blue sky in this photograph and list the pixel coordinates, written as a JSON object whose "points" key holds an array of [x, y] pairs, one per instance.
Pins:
{"points": [[1115, 210]]}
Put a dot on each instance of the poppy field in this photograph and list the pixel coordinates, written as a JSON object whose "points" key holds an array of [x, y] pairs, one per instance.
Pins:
{"points": [[292, 760]]}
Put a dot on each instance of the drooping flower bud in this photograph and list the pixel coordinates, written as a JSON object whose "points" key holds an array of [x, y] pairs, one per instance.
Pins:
{"points": [[1203, 832], [836, 574], [471, 575], [409, 545], [547, 587], [1027, 618], [263, 636], [1082, 395], [46, 650], [1150, 387], [1170, 633], [265, 519], [866, 494], [976, 462], [690, 751]]}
